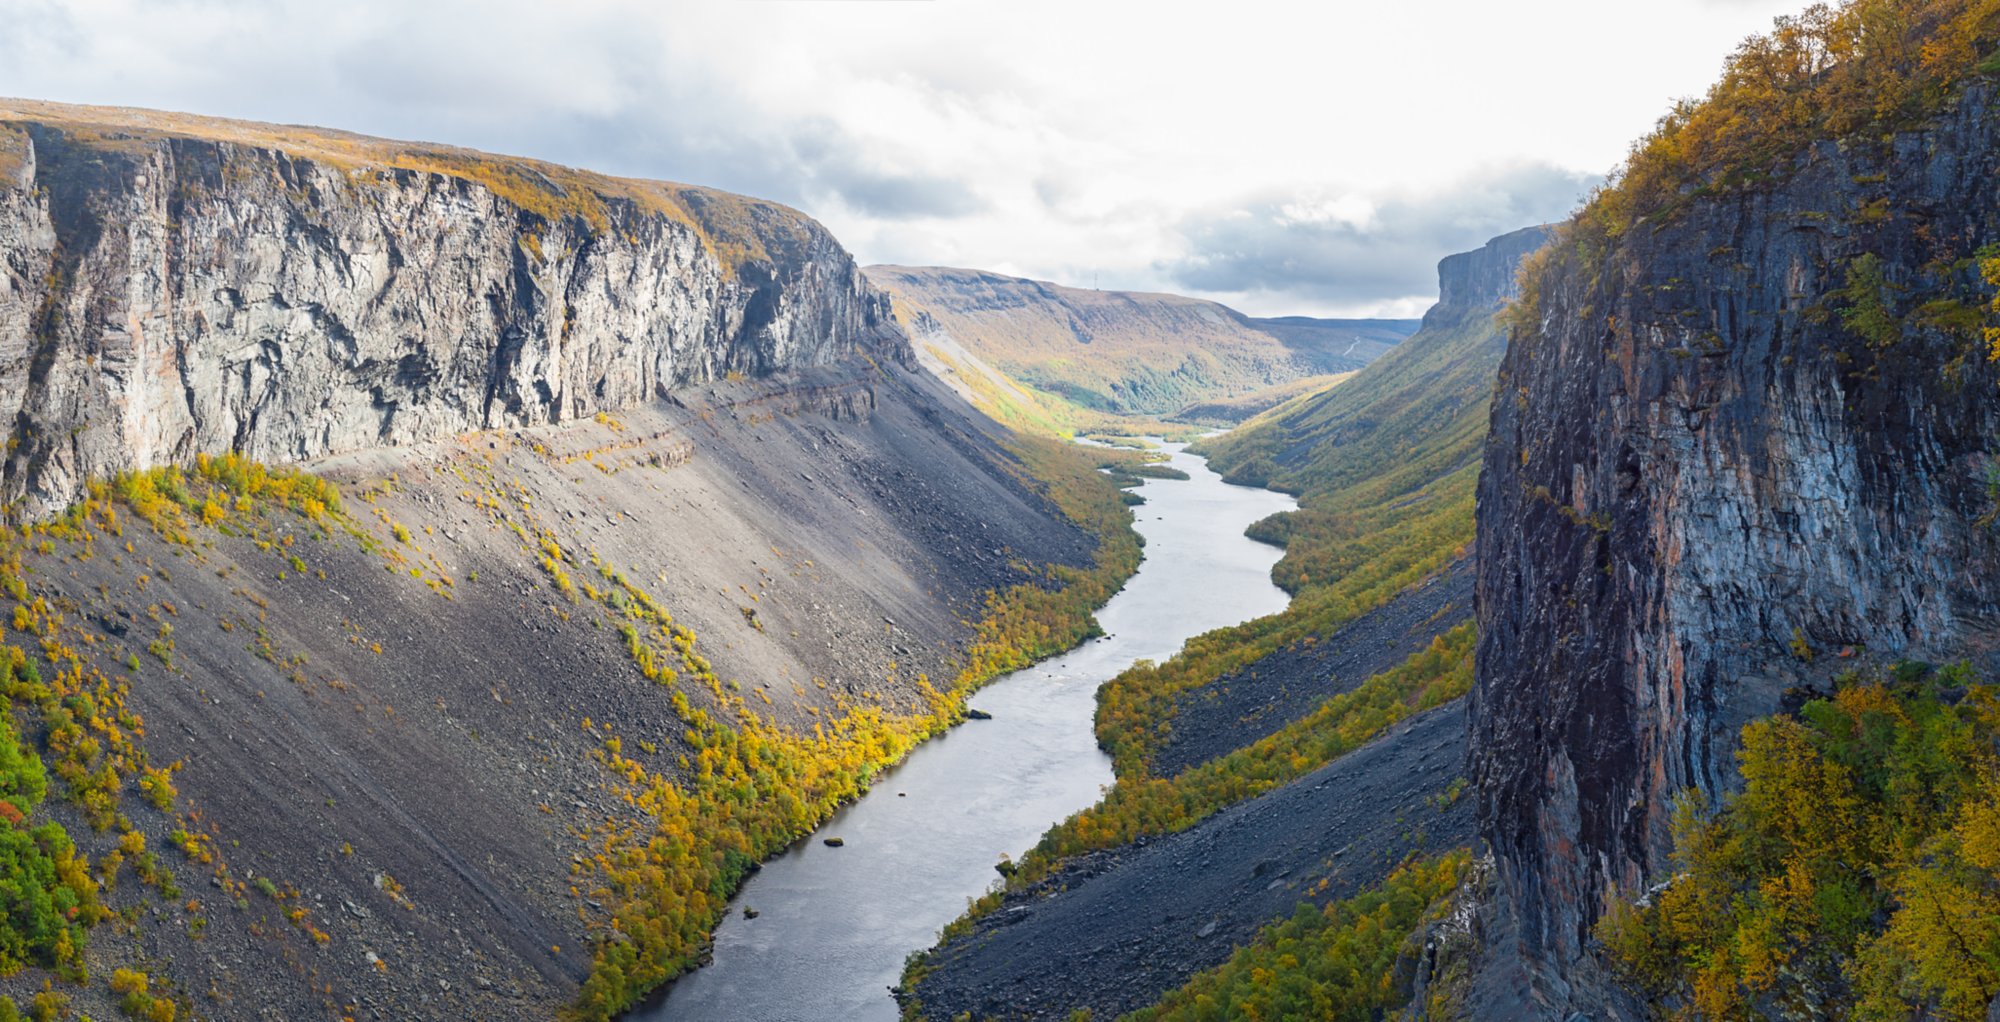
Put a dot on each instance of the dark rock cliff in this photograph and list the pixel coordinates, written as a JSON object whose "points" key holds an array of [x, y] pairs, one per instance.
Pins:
{"points": [[173, 285], [1479, 280], [1757, 428]]}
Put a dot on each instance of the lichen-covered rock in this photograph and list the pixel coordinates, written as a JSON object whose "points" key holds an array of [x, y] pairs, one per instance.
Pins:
{"points": [[1711, 470], [198, 288]]}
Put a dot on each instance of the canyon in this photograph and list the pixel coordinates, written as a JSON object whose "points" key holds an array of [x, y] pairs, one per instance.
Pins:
{"points": [[440, 582], [541, 424]]}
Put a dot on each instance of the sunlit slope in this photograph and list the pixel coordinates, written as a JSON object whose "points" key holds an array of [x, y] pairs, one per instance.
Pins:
{"points": [[1080, 352]]}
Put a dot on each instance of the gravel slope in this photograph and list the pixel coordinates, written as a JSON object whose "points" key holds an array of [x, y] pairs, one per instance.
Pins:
{"points": [[342, 730], [1117, 929], [1248, 704]]}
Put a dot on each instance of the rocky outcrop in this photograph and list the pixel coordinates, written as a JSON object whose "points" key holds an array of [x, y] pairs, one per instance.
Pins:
{"points": [[1479, 280], [177, 285], [1729, 447]]}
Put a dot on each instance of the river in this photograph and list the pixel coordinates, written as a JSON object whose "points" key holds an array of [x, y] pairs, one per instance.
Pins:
{"points": [[835, 924]]}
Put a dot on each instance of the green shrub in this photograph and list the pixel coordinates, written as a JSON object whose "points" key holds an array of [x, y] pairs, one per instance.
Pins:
{"points": [[1856, 875]]}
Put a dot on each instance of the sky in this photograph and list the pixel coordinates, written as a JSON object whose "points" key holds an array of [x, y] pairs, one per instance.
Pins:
{"points": [[1311, 158]]}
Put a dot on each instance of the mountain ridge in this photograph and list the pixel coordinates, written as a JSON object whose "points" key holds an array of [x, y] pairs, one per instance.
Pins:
{"points": [[1118, 353]]}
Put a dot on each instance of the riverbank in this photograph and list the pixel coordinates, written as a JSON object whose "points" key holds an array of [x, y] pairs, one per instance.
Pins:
{"points": [[834, 925]]}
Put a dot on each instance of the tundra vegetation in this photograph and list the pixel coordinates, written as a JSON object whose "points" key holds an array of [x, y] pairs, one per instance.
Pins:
{"points": [[68, 733], [1337, 963], [1855, 875], [742, 787], [1384, 466]]}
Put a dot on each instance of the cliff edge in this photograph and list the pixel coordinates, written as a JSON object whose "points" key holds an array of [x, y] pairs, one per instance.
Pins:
{"points": [[1744, 432], [177, 285]]}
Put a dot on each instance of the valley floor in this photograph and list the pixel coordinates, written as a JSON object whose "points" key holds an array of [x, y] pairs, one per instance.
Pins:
{"points": [[1114, 931]]}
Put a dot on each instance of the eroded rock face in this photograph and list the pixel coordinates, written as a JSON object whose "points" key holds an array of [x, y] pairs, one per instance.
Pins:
{"points": [[165, 296], [1479, 280], [1695, 459]]}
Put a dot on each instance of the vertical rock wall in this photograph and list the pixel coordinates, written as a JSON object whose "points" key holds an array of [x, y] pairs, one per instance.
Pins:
{"points": [[1695, 460], [164, 295]]}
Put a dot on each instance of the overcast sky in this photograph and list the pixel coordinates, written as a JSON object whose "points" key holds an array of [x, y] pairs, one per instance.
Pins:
{"points": [[1285, 157]]}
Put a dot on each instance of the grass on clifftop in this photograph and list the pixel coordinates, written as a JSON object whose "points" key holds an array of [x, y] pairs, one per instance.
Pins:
{"points": [[1861, 69], [736, 229]]}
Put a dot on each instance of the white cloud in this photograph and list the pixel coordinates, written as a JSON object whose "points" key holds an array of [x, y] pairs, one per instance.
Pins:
{"points": [[1056, 139]]}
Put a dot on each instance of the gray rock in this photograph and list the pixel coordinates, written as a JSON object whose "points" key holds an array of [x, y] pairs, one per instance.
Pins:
{"points": [[166, 296], [1691, 463]]}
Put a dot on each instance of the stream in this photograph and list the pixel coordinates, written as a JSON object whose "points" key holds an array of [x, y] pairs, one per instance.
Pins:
{"points": [[835, 924]]}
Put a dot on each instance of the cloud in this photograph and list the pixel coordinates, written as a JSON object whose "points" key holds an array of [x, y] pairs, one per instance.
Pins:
{"points": [[1157, 147], [36, 24], [1350, 250]]}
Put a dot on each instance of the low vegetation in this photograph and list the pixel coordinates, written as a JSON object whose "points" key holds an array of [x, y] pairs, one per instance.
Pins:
{"points": [[756, 787], [48, 898], [1856, 875], [1857, 72], [1336, 963], [70, 748], [1861, 69], [1141, 805]]}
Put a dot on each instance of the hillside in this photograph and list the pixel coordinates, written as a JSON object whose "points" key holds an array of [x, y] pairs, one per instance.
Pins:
{"points": [[1286, 766], [613, 552], [1738, 498], [1044, 354]]}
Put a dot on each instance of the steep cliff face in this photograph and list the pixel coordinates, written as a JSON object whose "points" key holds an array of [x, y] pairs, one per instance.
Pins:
{"points": [[178, 285], [1479, 280], [1730, 447]]}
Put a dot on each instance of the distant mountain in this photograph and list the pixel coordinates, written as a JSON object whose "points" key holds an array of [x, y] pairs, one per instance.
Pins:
{"points": [[1051, 355], [1339, 339]]}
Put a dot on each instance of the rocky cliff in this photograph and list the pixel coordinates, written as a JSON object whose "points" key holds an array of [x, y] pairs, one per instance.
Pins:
{"points": [[176, 285], [1734, 444], [439, 736]]}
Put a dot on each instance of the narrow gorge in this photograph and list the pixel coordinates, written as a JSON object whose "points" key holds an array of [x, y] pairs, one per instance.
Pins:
{"points": [[634, 543], [445, 585]]}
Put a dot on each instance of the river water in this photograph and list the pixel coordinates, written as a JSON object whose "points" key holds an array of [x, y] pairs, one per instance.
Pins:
{"points": [[835, 924]]}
